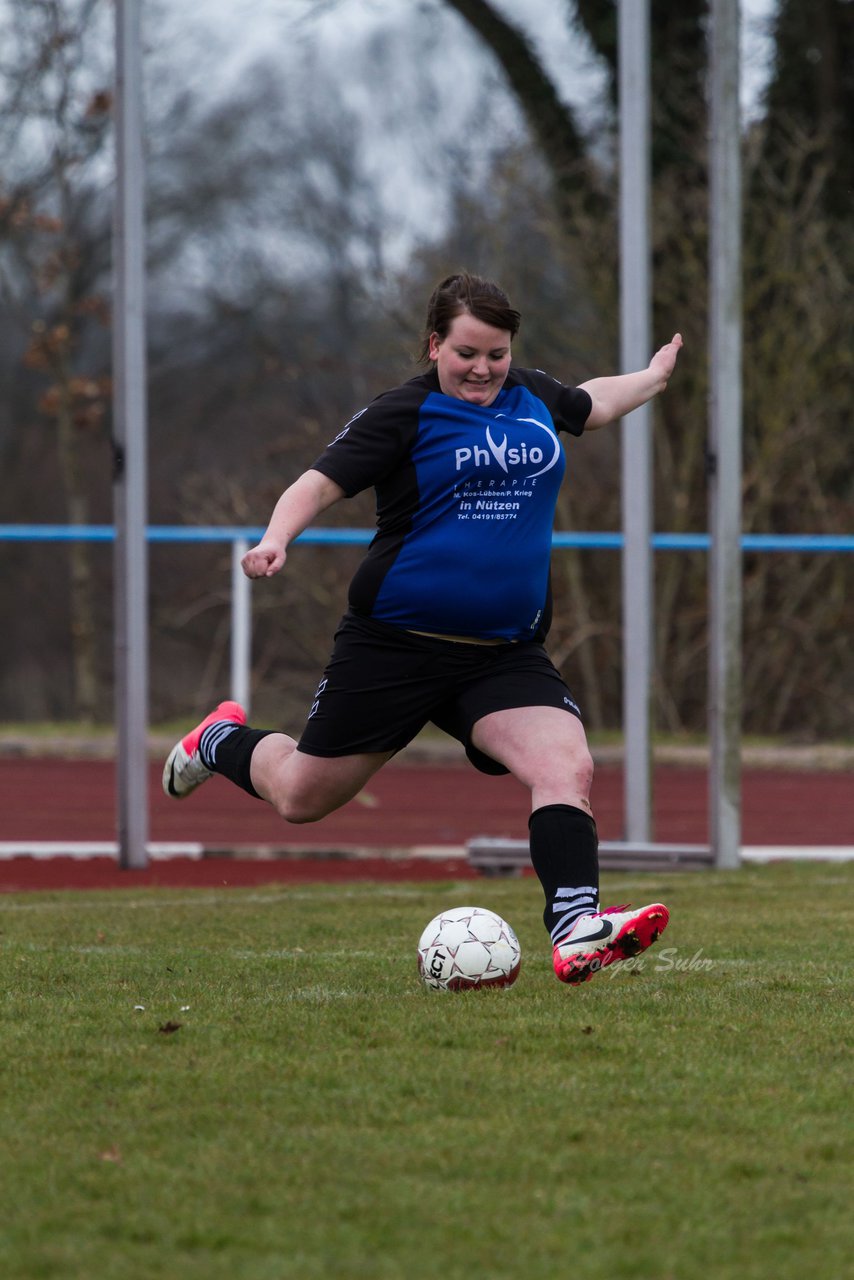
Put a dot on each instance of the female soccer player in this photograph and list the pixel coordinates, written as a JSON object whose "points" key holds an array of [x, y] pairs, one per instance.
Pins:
{"points": [[450, 607]]}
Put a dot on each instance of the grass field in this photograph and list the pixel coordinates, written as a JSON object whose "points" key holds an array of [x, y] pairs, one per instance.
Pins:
{"points": [[254, 1085]]}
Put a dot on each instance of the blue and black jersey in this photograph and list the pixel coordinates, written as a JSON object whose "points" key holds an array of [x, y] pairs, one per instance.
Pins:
{"points": [[465, 503]]}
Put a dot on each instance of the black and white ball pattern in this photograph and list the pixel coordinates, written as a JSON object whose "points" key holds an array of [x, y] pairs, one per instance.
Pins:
{"points": [[468, 947]]}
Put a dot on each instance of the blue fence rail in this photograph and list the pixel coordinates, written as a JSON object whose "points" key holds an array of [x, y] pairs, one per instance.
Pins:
{"points": [[800, 542], [241, 538]]}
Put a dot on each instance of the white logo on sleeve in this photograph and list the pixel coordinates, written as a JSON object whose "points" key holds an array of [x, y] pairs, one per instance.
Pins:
{"points": [[316, 702], [343, 432]]}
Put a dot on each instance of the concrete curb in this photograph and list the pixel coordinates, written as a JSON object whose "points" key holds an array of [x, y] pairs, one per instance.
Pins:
{"points": [[821, 758]]}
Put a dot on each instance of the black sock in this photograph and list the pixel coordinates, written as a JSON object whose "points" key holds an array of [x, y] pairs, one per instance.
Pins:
{"points": [[564, 854], [227, 748]]}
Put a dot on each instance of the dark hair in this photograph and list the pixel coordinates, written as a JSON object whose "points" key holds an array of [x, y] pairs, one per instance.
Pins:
{"points": [[465, 293]]}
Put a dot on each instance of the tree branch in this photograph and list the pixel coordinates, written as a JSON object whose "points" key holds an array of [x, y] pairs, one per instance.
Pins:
{"points": [[549, 120]]}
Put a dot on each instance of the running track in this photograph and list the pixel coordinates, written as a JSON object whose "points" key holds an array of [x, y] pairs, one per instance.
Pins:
{"points": [[407, 805]]}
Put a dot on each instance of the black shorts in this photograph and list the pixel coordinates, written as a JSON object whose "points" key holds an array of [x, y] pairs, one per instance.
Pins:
{"points": [[383, 685]]}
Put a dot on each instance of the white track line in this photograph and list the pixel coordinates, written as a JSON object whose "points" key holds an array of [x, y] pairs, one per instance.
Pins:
{"points": [[93, 849], [163, 850]]}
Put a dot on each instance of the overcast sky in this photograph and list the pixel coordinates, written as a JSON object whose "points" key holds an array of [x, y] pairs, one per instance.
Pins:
{"points": [[245, 28], [432, 56]]}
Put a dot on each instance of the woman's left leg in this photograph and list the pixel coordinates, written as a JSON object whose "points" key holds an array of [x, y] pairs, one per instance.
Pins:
{"points": [[545, 748]]}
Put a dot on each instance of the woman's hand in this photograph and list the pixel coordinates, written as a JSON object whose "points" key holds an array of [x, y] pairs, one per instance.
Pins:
{"points": [[663, 362], [298, 506], [618, 395], [264, 560]]}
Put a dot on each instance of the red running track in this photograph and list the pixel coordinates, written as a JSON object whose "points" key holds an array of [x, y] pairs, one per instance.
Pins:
{"points": [[405, 805]]}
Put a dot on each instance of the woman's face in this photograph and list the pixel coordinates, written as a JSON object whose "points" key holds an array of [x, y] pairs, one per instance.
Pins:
{"points": [[472, 361]]}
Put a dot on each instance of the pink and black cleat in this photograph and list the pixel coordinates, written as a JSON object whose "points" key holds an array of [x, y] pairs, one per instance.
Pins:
{"points": [[602, 938], [184, 771]]}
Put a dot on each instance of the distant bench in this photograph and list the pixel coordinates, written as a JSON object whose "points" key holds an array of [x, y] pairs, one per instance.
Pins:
{"points": [[496, 856]]}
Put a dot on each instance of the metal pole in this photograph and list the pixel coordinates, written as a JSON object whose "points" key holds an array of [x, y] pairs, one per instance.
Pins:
{"points": [[129, 444], [725, 438], [241, 626], [635, 350]]}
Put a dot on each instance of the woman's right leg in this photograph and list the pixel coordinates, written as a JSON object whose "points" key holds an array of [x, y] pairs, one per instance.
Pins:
{"points": [[378, 688], [301, 787], [305, 788]]}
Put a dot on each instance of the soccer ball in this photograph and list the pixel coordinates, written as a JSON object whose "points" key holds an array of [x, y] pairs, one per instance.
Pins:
{"points": [[468, 947]]}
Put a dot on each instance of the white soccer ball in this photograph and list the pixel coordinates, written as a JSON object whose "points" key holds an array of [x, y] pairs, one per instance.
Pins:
{"points": [[467, 947]]}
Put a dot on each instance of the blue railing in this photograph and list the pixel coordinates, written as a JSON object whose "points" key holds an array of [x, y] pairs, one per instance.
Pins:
{"points": [[241, 538], [802, 542]]}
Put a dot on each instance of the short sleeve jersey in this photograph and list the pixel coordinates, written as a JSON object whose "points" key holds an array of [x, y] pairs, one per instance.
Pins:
{"points": [[465, 503]]}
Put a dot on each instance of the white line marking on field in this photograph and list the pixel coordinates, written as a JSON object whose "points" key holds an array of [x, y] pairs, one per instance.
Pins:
{"points": [[232, 897]]}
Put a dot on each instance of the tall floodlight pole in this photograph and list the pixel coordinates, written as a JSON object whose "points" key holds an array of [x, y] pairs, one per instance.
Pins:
{"points": [[129, 443], [725, 437], [633, 55]]}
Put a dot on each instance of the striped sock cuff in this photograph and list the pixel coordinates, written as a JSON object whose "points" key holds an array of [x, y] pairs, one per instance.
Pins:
{"points": [[568, 906], [211, 738]]}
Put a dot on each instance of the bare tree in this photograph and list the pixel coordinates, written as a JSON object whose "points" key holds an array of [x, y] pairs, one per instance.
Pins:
{"points": [[53, 263]]}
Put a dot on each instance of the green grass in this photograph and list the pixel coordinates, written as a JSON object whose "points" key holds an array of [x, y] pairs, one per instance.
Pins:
{"points": [[319, 1113]]}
